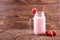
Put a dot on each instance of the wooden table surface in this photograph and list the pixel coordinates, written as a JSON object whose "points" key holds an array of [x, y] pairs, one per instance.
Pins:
{"points": [[25, 34], [15, 14]]}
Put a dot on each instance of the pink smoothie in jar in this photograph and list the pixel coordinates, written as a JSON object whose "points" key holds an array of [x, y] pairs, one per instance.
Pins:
{"points": [[39, 23]]}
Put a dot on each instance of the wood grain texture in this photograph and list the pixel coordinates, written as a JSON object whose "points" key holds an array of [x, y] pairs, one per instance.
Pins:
{"points": [[25, 34], [16, 13]]}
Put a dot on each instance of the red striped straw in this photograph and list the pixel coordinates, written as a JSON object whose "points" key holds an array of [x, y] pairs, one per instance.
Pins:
{"points": [[42, 9]]}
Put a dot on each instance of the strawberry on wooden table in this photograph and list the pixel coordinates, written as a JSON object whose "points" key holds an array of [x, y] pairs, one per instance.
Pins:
{"points": [[54, 33], [46, 31], [50, 33]]}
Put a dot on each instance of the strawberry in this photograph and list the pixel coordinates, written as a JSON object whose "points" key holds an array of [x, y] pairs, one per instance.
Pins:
{"points": [[34, 10], [49, 33], [54, 33]]}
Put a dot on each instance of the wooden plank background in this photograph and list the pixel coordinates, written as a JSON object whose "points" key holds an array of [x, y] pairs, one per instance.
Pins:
{"points": [[16, 13]]}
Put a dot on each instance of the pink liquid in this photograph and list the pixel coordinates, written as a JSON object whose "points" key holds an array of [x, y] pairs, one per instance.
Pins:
{"points": [[39, 25]]}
